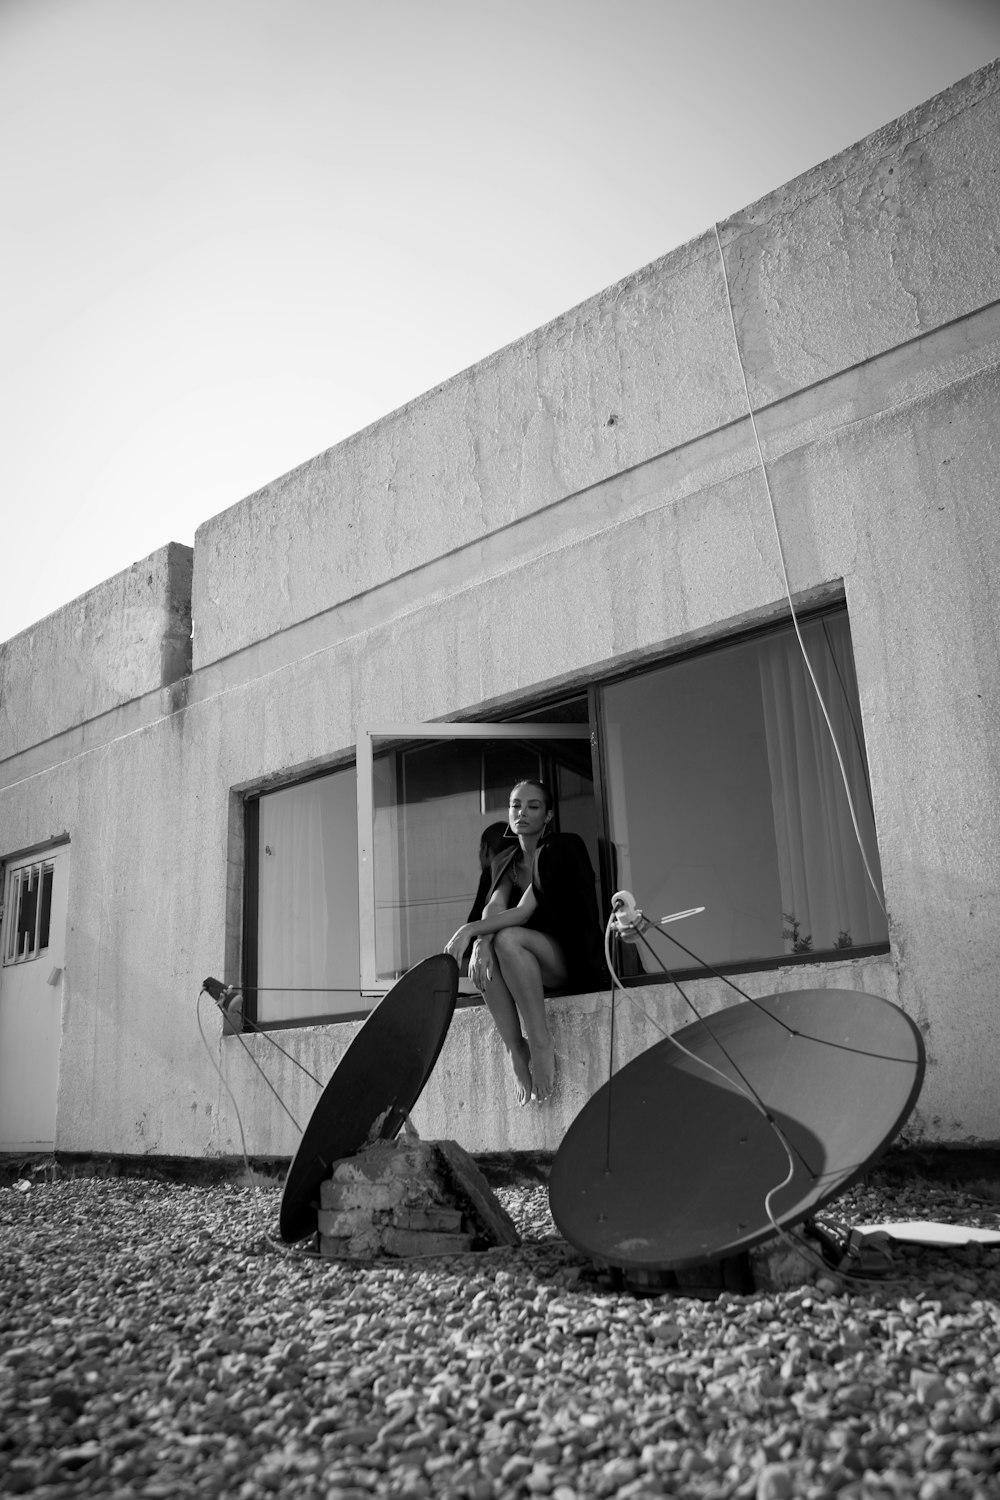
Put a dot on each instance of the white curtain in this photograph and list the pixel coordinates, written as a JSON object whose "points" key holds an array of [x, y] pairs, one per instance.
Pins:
{"points": [[824, 887], [307, 957]]}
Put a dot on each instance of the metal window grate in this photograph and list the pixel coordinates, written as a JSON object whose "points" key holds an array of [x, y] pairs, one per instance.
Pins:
{"points": [[29, 910]]}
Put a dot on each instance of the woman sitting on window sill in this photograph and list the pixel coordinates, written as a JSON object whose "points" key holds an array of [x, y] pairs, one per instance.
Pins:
{"points": [[539, 930]]}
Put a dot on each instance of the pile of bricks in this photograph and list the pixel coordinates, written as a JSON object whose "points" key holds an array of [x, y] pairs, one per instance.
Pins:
{"points": [[409, 1197]]}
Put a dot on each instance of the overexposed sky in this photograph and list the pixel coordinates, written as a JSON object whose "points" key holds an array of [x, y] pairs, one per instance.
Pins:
{"points": [[233, 232]]}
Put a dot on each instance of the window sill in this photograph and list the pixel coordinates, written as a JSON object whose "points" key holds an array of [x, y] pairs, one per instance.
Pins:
{"points": [[760, 965], [789, 962]]}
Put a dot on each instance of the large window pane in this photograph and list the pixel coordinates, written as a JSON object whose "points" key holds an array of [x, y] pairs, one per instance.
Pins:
{"points": [[724, 791], [307, 924]]}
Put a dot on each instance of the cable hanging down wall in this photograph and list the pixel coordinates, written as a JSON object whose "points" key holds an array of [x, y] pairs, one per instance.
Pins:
{"points": [[787, 586]]}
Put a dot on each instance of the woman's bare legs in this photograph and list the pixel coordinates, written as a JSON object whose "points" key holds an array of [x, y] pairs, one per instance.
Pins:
{"points": [[528, 961], [500, 1004]]}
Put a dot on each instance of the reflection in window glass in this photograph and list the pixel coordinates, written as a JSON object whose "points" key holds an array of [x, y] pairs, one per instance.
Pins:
{"points": [[724, 792], [432, 802], [307, 927], [428, 811]]}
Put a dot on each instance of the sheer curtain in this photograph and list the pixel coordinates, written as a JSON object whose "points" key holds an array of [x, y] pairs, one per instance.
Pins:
{"points": [[827, 899], [307, 957]]}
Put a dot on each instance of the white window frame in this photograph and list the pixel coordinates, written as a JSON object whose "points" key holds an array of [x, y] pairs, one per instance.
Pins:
{"points": [[18, 879], [367, 735]]}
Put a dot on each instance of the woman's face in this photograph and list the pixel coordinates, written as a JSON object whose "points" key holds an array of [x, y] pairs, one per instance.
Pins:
{"points": [[527, 810]]}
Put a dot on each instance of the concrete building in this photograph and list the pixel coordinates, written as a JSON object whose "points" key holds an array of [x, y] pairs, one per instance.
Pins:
{"points": [[575, 534]]}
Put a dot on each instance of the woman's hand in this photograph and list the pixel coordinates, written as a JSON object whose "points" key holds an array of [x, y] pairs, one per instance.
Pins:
{"points": [[457, 944], [481, 962]]}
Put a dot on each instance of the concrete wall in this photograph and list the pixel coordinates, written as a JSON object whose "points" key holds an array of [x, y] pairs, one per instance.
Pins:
{"points": [[466, 1100], [129, 636], [426, 569]]}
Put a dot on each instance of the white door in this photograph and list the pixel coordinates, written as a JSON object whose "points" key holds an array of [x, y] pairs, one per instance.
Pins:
{"points": [[33, 945]]}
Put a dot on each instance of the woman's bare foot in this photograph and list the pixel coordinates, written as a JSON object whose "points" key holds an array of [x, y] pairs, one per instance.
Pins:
{"points": [[520, 1061], [543, 1069]]}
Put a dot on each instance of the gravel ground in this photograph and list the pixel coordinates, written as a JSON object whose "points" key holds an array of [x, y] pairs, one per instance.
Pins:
{"points": [[158, 1340]]}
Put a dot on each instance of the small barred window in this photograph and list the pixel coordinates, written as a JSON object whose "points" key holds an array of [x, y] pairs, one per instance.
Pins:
{"points": [[28, 912]]}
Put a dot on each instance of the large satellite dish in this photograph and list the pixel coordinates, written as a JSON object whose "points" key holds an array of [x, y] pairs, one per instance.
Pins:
{"points": [[670, 1166], [379, 1078]]}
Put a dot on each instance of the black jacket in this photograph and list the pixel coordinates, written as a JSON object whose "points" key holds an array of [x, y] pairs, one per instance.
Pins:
{"points": [[562, 879]]}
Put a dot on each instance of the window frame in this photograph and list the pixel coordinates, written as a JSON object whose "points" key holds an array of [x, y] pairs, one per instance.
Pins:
{"points": [[251, 896], [250, 928], [832, 605], [407, 734], [17, 878], [529, 723]]}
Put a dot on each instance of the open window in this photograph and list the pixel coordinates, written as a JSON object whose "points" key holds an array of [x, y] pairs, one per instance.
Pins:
{"points": [[705, 779], [426, 793]]}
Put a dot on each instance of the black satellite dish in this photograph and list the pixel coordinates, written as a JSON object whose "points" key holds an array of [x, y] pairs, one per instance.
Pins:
{"points": [[382, 1073], [670, 1166]]}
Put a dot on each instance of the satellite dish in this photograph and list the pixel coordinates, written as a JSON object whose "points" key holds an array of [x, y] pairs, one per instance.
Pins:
{"points": [[382, 1073], [669, 1166]]}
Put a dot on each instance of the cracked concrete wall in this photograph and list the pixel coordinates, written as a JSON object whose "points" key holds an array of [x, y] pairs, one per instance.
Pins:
{"points": [[128, 636], [891, 239]]}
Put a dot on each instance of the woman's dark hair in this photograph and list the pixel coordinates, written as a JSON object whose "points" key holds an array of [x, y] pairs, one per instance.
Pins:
{"points": [[547, 797], [492, 838]]}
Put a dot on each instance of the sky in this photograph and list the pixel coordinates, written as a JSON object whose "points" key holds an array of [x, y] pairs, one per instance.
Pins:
{"points": [[234, 232]]}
